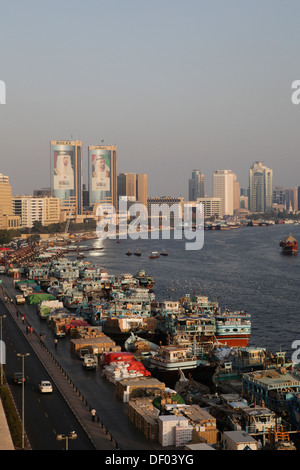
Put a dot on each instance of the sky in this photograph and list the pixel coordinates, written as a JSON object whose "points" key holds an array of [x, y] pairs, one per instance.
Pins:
{"points": [[175, 85]]}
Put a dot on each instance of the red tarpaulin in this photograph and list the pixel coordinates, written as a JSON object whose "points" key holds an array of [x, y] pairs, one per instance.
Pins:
{"points": [[129, 359]]}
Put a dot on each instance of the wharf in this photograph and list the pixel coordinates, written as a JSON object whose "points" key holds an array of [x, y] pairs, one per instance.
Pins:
{"points": [[112, 429], [96, 431]]}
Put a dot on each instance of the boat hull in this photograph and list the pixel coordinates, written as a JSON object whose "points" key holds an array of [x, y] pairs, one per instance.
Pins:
{"points": [[171, 366], [234, 341]]}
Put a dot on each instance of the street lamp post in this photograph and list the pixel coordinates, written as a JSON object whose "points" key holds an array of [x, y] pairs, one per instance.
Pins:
{"points": [[66, 437], [1, 348], [23, 389]]}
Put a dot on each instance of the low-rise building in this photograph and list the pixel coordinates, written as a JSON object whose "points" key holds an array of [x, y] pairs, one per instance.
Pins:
{"points": [[238, 440], [30, 209]]}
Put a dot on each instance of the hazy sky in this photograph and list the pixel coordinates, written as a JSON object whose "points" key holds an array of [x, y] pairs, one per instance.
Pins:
{"points": [[176, 85]]}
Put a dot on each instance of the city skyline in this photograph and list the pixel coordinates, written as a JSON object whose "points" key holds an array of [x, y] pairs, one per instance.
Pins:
{"points": [[216, 96]]}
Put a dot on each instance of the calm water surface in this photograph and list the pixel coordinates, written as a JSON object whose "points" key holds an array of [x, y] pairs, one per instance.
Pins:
{"points": [[242, 269]]}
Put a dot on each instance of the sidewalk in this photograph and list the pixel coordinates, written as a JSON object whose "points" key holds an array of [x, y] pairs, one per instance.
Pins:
{"points": [[6, 442], [95, 430]]}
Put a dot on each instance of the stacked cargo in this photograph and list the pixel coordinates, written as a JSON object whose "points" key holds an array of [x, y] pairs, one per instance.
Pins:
{"points": [[95, 345], [48, 306], [134, 387], [144, 415], [205, 424], [118, 366], [61, 324]]}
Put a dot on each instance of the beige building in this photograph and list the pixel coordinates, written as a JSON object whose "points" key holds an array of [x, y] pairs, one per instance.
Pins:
{"points": [[223, 187], [45, 210], [134, 186], [236, 193], [127, 185], [212, 206], [142, 188], [7, 219], [52, 210], [154, 204]]}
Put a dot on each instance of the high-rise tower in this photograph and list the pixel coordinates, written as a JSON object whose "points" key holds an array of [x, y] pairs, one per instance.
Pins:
{"points": [[261, 188], [66, 174], [196, 185], [102, 174], [223, 187]]}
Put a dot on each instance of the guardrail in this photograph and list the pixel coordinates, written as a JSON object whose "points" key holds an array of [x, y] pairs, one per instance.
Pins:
{"points": [[65, 374]]}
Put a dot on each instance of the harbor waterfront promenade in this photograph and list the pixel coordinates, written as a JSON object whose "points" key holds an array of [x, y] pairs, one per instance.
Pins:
{"points": [[111, 429]]}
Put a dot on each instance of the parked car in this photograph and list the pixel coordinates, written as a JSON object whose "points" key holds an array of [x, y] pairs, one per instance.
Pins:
{"points": [[17, 378], [45, 386]]}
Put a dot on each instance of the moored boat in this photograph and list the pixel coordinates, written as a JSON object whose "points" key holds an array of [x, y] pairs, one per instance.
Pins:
{"points": [[144, 280], [170, 358], [289, 245], [154, 254], [233, 328]]}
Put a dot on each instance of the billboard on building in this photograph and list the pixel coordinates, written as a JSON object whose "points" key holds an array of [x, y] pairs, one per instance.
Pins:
{"points": [[100, 167], [63, 170]]}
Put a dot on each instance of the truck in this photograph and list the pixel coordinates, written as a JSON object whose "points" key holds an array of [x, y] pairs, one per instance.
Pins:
{"points": [[20, 299], [90, 361], [82, 353]]}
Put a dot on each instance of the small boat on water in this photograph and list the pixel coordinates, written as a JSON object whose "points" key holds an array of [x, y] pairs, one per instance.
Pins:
{"points": [[128, 253], [164, 253], [154, 254], [289, 245], [138, 253]]}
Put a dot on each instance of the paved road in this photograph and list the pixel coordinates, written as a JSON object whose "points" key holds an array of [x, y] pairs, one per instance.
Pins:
{"points": [[114, 430], [46, 416]]}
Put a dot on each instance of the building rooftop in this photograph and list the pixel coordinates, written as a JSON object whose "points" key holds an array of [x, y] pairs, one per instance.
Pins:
{"points": [[272, 378]]}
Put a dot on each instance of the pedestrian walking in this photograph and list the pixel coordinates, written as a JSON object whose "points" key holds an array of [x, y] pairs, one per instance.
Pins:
{"points": [[27, 330], [55, 343], [23, 318], [93, 413], [31, 330]]}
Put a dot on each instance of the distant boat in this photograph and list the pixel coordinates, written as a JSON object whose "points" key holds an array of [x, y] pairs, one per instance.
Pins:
{"points": [[137, 253], [164, 253], [128, 253], [289, 245], [154, 254]]}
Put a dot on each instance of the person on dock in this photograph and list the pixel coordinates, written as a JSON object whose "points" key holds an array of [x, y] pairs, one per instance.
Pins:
{"points": [[93, 413]]}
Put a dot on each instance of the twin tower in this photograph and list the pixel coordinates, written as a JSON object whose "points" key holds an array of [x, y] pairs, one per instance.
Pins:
{"points": [[66, 174]]}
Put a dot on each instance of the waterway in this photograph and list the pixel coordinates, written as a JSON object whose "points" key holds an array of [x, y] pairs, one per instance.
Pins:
{"points": [[242, 269]]}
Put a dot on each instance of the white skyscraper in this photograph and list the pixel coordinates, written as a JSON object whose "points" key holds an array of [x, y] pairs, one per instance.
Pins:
{"points": [[261, 188], [223, 188]]}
